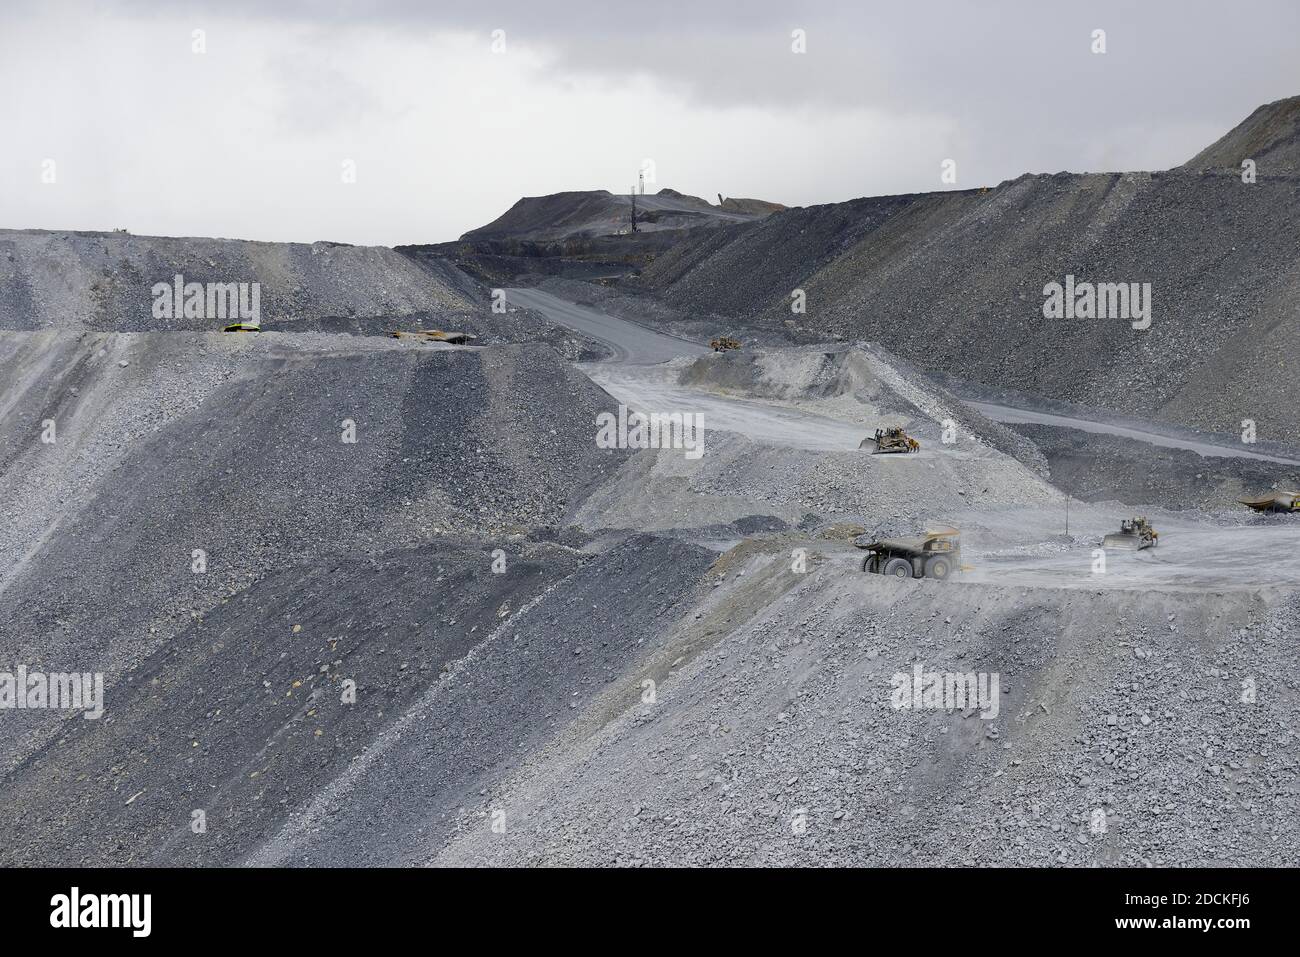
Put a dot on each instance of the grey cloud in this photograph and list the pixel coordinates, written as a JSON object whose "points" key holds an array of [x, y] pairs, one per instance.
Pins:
{"points": [[1013, 83]]}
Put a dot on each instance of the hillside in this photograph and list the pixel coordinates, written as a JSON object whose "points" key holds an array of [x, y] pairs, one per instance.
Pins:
{"points": [[585, 214], [950, 280], [362, 600], [1270, 136], [104, 281], [239, 447]]}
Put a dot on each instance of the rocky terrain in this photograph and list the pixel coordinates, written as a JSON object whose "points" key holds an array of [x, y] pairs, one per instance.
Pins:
{"points": [[103, 281], [368, 601], [1112, 468], [772, 740], [948, 280], [584, 234], [591, 213], [262, 453], [1270, 137]]}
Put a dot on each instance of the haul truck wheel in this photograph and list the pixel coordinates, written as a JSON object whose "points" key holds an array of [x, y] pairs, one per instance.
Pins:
{"points": [[872, 565], [899, 568], [938, 568]]}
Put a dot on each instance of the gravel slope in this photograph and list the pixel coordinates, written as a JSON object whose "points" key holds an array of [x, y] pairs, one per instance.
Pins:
{"points": [[241, 455], [102, 281], [1106, 467], [532, 680], [775, 743], [948, 280], [588, 213], [507, 718], [681, 661], [1270, 136], [241, 714]]}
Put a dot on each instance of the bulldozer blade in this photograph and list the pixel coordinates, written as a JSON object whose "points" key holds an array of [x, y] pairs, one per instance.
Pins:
{"points": [[1117, 540]]}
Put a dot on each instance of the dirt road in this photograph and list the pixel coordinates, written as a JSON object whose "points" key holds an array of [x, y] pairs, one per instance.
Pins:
{"points": [[1016, 416], [1195, 553], [627, 341]]}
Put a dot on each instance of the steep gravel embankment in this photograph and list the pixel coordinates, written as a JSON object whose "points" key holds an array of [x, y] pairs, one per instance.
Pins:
{"points": [[1124, 734], [783, 429], [1270, 136], [242, 714], [238, 446], [592, 213], [102, 281], [1105, 467], [623, 698], [862, 382], [537, 678], [954, 282]]}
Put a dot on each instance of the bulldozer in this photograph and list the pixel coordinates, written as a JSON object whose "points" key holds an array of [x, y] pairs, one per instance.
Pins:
{"points": [[435, 335], [891, 440], [724, 344], [933, 555], [1134, 533], [1277, 502]]}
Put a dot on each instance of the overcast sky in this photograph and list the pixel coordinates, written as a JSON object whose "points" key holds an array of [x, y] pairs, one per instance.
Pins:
{"points": [[251, 138]]}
